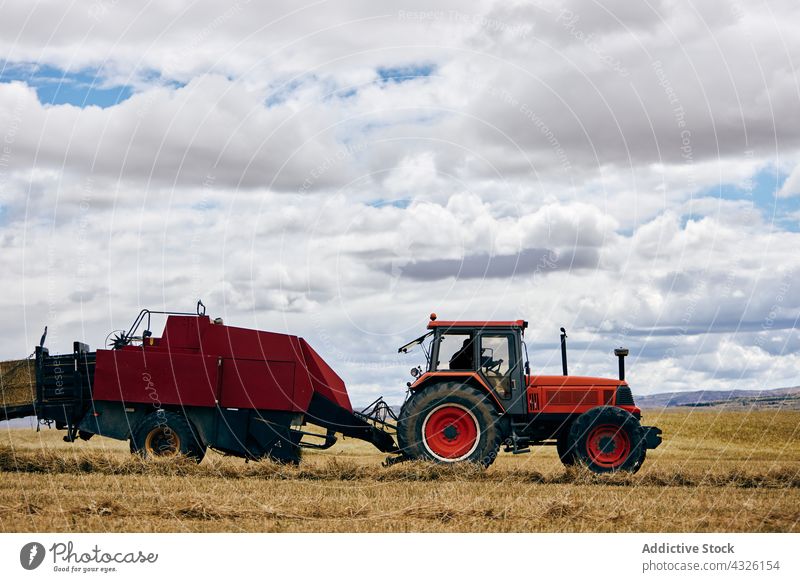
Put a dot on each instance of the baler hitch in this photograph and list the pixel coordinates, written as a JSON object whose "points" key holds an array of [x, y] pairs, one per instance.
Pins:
{"points": [[297, 436], [330, 439], [380, 415]]}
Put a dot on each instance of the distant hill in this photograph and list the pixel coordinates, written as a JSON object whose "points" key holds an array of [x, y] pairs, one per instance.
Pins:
{"points": [[788, 398]]}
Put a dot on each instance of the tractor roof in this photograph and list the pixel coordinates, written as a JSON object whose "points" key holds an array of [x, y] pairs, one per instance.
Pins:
{"points": [[434, 323]]}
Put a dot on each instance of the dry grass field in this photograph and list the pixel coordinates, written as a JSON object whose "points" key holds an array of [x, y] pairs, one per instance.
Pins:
{"points": [[716, 471]]}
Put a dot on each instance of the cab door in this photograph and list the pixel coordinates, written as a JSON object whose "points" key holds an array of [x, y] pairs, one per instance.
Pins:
{"points": [[500, 365]]}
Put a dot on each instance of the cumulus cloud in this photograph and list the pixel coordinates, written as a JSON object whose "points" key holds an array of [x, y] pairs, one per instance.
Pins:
{"points": [[791, 187]]}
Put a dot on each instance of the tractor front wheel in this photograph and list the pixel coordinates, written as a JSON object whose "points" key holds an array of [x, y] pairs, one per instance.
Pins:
{"points": [[166, 434], [607, 439], [450, 423]]}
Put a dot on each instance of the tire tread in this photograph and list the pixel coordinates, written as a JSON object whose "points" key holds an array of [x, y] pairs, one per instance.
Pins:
{"points": [[410, 420]]}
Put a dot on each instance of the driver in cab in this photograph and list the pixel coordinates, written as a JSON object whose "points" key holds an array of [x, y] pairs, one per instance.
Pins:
{"points": [[463, 358]]}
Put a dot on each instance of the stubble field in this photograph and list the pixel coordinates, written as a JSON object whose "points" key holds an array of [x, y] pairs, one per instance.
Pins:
{"points": [[716, 471]]}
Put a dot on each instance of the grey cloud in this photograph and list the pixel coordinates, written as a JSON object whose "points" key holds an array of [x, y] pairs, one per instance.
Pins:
{"points": [[488, 266], [628, 83], [718, 327]]}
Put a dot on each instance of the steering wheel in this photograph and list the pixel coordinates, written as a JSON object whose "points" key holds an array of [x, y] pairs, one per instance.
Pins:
{"points": [[493, 365]]}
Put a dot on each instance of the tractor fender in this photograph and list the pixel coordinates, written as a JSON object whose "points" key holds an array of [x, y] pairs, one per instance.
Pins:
{"points": [[469, 378]]}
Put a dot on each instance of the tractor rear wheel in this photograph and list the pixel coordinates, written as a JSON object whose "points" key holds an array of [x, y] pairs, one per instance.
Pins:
{"points": [[607, 439], [640, 462], [166, 434], [450, 423], [565, 452]]}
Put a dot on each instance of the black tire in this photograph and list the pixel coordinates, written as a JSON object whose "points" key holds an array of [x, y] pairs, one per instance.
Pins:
{"points": [[641, 460], [470, 429], [607, 439], [163, 433], [402, 422], [565, 452]]}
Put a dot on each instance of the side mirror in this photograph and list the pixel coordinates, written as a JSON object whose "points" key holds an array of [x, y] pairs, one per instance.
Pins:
{"points": [[527, 368]]}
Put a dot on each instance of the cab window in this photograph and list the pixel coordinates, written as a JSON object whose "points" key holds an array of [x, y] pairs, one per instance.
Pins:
{"points": [[495, 355], [456, 352]]}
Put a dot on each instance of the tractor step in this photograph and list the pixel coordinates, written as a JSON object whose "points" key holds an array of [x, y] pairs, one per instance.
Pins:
{"points": [[517, 445]]}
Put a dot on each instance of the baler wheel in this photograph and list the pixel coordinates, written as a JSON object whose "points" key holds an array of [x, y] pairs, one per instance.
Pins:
{"points": [[607, 439], [449, 423], [166, 434]]}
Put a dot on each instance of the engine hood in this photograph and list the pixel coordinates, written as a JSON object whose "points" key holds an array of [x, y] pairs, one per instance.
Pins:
{"points": [[574, 381]]}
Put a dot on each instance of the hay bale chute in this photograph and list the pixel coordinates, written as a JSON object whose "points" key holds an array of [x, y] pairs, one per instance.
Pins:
{"points": [[17, 388]]}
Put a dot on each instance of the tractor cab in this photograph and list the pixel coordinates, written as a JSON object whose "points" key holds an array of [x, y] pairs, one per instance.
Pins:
{"points": [[489, 353]]}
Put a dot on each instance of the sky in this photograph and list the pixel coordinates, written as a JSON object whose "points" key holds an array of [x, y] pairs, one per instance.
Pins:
{"points": [[340, 170]]}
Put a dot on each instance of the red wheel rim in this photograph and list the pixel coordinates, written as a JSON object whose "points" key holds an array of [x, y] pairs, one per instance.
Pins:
{"points": [[450, 432], [608, 446]]}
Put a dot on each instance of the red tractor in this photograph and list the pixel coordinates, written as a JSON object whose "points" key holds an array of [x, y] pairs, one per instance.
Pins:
{"points": [[244, 392], [477, 394]]}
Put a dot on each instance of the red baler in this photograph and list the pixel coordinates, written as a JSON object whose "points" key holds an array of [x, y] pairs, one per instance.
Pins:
{"points": [[202, 384]]}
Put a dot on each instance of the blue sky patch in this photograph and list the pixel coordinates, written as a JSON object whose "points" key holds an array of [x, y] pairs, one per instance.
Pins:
{"points": [[283, 92], [401, 203], [405, 73], [205, 205], [346, 93], [421, 119], [762, 191], [56, 87]]}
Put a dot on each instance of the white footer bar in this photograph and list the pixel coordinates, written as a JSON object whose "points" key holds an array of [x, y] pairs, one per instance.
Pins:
{"points": [[400, 557]]}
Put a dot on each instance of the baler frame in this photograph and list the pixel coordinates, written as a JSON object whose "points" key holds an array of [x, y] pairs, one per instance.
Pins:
{"points": [[106, 392]]}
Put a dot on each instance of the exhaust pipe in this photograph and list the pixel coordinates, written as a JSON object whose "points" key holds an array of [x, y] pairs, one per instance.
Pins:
{"points": [[621, 353], [564, 351]]}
